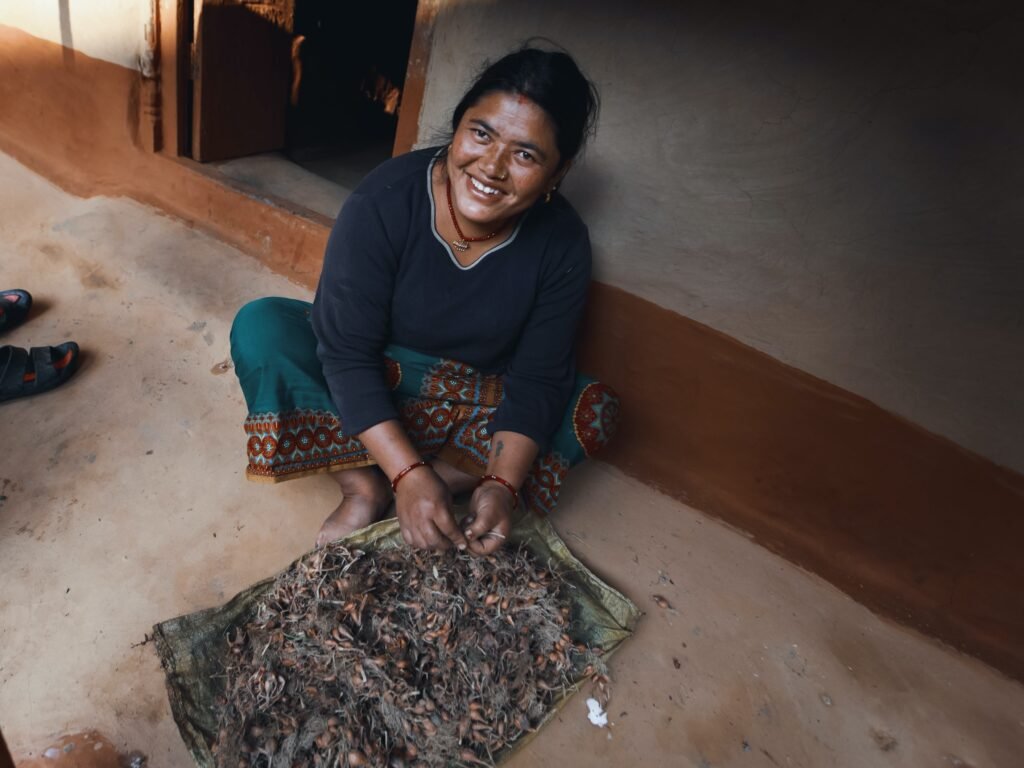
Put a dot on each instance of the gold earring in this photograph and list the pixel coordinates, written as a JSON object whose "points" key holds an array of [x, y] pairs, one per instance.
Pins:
{"points": [[547, 197]]}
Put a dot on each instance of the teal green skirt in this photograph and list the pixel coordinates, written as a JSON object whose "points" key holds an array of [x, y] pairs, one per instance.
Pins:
{"points": [[293, 428]]}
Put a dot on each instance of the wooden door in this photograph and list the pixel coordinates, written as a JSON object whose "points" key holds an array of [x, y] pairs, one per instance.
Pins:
{"points": [[241, 70]]}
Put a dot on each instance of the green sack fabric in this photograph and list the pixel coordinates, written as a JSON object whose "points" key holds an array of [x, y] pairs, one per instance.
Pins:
{"points": [[192, 647]]}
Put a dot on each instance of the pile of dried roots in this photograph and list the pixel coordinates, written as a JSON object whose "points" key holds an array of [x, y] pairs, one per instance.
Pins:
{"points": [[398, 658]]}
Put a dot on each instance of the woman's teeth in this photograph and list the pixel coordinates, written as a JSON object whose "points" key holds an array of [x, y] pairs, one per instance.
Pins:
{"points": [[483, 187]]}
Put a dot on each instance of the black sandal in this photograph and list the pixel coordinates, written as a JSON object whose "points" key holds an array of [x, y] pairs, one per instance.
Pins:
{"points": [[14, 307], [32, 372]]}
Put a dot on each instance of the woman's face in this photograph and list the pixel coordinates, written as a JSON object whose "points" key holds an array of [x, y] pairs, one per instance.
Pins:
{"points": [[503, 157]]}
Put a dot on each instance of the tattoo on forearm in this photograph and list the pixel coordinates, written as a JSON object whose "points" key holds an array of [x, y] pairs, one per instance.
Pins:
{"points": [[497, 450]]}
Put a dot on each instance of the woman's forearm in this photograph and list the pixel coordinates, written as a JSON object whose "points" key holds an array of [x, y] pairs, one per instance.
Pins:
{"points": [[512, 455], [390, 446]]}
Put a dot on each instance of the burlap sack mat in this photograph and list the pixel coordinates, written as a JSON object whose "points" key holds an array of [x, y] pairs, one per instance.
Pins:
{"points": [[192, 647]]}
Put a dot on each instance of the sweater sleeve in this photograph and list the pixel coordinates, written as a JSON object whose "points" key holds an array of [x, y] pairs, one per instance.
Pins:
{"points": [[542, 373], [351, 315]]}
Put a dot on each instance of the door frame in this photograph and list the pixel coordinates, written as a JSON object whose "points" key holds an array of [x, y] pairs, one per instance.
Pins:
{"points": [[173, 22], [411, 106], [176, 38]]}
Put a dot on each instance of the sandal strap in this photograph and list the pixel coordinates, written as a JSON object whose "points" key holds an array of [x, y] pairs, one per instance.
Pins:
{"points": [[13, 362], [42, 361]]}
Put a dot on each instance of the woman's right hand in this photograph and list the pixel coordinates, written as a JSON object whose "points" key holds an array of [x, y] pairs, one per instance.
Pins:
{"points": [[423, 502], [423, 505]]}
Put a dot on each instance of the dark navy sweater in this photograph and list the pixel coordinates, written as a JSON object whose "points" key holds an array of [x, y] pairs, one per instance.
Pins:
{"points": [[389, 278]]}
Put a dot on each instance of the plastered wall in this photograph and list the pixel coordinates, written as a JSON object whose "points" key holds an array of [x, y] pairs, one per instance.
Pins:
{"points": [[839, 185], [112, 30]]}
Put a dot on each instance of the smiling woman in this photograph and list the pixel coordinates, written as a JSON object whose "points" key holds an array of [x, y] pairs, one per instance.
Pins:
{"points": [[438, 356]]}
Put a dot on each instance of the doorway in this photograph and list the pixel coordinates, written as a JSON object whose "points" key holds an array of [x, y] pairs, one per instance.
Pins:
{"points": [[298, 99]]}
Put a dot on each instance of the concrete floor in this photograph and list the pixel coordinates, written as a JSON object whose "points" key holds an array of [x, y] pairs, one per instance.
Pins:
{"points": [[123, 502], [273, 173], [317, 178]]}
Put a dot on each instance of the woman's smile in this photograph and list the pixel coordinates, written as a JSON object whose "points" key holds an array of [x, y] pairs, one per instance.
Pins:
{"points": [[483, 188]]}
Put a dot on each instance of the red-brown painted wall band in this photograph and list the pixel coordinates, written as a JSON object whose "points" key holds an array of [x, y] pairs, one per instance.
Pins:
{"points": [[908, 523]]}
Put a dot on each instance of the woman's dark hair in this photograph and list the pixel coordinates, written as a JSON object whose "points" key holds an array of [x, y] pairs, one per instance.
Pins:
{"points": [[550, 79]]}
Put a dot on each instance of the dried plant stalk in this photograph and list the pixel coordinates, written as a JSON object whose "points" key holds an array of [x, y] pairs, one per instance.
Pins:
{"points": [[398, 658]]}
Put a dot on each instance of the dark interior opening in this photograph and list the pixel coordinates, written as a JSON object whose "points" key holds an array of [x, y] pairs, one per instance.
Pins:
{"points": [[349, 63]]}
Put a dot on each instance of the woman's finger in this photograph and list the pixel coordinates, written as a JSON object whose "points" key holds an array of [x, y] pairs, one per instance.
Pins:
{"points": [[405, 524], [449, 528], [421, 532], [492, 540], [492, 524], [485, 511], [435, 537], [489, 512], [411, 532]]}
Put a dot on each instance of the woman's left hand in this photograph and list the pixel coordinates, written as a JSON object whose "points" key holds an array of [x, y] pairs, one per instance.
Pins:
{"points": [[492, 511]]}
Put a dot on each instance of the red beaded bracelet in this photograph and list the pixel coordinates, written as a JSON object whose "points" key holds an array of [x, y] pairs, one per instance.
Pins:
{"points": [[406, 471], [511, 488]]}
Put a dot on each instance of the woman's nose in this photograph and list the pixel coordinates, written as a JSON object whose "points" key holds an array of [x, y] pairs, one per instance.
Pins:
{"points": [[494, 165]]}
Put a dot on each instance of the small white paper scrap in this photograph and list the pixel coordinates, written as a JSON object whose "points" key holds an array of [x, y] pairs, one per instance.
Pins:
{"points": [[596, 715]]}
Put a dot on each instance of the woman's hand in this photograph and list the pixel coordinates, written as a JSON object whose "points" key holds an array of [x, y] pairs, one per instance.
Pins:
{"points": [[422, 501], [492, 511], [423, 505]]}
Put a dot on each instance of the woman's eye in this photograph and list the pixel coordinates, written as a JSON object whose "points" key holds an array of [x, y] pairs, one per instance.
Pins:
{"points": [[523, 154], [480, 133]]}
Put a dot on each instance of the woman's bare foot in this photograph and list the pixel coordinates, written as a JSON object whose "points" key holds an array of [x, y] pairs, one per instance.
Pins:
{"points": [[366, 499], [456, 480], [351, 515]]}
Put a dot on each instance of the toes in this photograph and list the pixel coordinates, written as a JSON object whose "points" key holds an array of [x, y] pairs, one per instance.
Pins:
{"points": [[326, 538], [350, 516]]}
